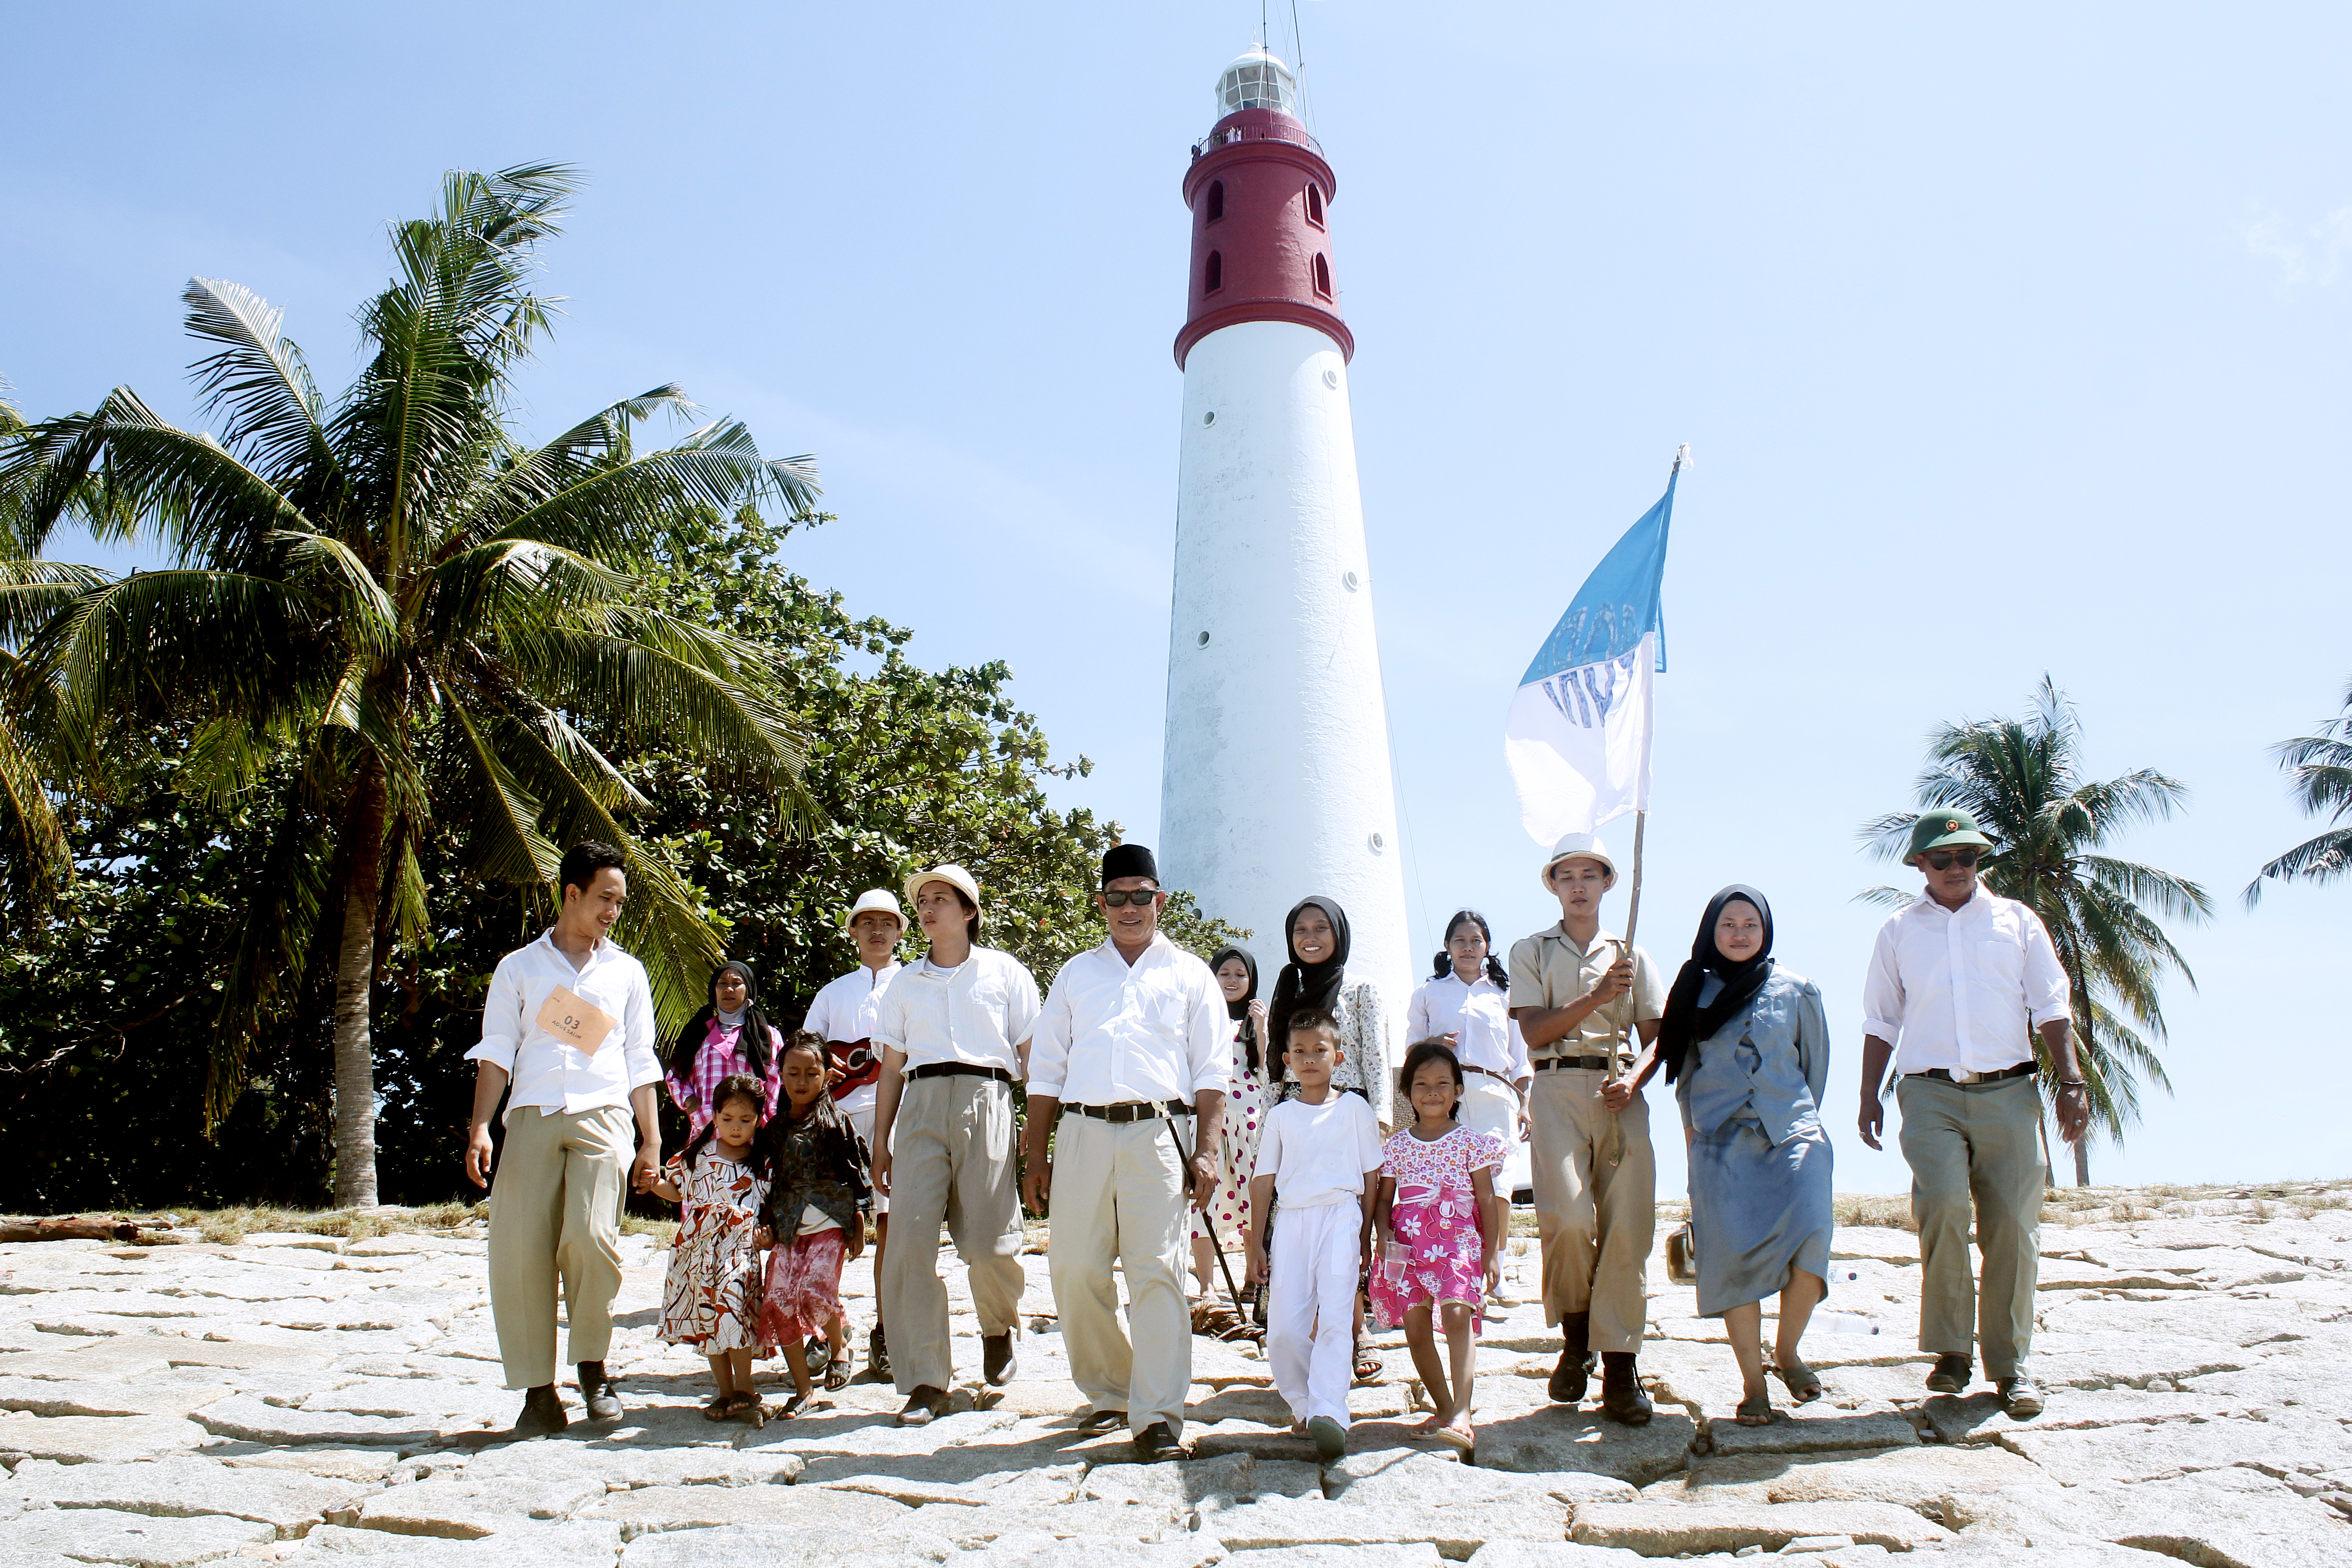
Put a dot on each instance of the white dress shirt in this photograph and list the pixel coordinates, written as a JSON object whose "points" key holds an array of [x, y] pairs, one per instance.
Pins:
{"points": [[847, 1010], [1963, 988], [1321, 1155], [1114, 1032], [977, 1013], [1477, 1014], [553, 1073]]}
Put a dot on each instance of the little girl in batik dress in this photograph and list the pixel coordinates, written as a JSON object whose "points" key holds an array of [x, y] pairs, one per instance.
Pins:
{"points": [[710, 1299], [1436, 1259]]}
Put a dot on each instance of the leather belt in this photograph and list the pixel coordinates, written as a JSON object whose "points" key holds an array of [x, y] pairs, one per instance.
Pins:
{"points": [[1133, 1111], [1468, 1067], [960, 1070], [1588, 1063], [2019, 1071]]}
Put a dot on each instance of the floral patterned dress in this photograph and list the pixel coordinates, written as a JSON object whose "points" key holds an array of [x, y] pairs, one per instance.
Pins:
{"points": [[1434, 1220], [1246, 1102], [711, 1297]]}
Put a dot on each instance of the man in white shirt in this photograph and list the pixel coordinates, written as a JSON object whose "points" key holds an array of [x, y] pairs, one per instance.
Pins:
{"points": [[568, 1037], [1134, 1035], [954, 1029], [1963, 980], [843, 1016]]}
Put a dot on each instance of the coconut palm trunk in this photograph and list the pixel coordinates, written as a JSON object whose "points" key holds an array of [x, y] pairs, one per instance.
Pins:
{"points": [[354, 995]]}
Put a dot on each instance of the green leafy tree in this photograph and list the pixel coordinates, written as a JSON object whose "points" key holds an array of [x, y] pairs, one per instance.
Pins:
{"points": [[2022, 779], [2319, 772], [437, 625]]}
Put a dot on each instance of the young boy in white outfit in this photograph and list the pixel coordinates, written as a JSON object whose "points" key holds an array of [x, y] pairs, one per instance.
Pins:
{"points": [[1322, 1152]]}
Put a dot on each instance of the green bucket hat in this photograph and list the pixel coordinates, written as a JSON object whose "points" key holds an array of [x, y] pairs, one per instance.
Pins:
{"points": [[1942, 828]]}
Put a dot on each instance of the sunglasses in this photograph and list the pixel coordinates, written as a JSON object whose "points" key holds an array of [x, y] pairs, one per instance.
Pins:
{"points": [[1119, 898], [1943, 860]]}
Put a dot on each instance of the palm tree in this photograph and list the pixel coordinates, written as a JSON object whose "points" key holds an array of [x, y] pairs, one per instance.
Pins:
{"points": [[2021, 778], [2320, 769], [404, 620]]}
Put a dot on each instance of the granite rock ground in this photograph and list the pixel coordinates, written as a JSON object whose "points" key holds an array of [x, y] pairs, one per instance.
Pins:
{"points": [[306, 1398]]}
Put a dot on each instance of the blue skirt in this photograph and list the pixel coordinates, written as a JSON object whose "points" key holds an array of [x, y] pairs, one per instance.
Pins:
{"points": [[1756, 1211]]}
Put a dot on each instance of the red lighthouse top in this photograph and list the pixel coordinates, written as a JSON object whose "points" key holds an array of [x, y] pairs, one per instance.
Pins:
{"points": [[1260, 193]]}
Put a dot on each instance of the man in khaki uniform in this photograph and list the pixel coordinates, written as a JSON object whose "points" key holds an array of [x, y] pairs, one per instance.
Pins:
{"points": [[1587, 1002]]}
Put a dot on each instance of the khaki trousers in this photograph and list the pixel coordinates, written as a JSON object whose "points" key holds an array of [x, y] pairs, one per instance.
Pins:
{"points": [[1118, 1194], [951, 1164], [1596, 1219], [1976, 1145], [555, 1212]]}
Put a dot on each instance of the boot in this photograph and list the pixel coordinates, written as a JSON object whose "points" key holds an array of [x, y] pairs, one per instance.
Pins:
{"points": [[542, 1413], [1621, 1398], [596, 1391], [1575, 1369]]}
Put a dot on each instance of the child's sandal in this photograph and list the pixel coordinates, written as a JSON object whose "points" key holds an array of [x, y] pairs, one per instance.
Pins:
{"points": [[1754, 1411], [1459, 1433], [1805, 1382], [716, 1406], [790, 1407]]}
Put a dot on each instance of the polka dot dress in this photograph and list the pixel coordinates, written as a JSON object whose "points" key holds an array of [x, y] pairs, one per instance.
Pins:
{"points": [[1245, 1106]]}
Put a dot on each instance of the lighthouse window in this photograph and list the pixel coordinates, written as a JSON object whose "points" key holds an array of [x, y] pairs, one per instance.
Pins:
{"points": [[1322, 274], [1314, 204], [1215, 278], [1216, 200]]}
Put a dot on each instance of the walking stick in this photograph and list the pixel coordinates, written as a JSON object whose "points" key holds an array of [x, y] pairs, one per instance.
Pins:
{"points": [[1617, 1041], [1223, 1267]]}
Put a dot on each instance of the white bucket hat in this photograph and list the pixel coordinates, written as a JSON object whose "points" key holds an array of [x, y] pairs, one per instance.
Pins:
{"points": [[955, 876], [869, 901], [1578, 846]]}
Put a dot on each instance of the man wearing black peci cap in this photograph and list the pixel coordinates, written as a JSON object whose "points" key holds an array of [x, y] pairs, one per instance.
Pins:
{"points": [[1133, 1045], [1963, 980]]}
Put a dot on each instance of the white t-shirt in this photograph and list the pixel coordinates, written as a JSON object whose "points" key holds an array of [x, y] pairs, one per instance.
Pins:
{"points": [[1319, 1154], [844, 1012]]}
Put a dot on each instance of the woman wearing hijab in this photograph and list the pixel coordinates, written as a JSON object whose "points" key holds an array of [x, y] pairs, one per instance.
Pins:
{"points": [[1246, 1107], [1750, 1044], [1317, 977], [730, 1036]]}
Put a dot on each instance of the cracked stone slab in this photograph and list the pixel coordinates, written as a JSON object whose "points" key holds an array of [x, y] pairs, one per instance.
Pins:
{"points": [[255, 1420], [1456, 1529], [337, 1464], [1800, 1432], [2180, 1519], [2280, 1446], [1557, 1439], [1396, 1555], [288, 1502], [1915, 1477], [648, 1511], [1554, 1554], [1411, 1475], [1664, 1529], [50, 1396], [570, 1545], [1040, 1549], [111, 1535], [467, 1509], [781, 1546], [975, 1527], [1228, 1478], [1979, 1416], [872, 1435], [628, 1466], [96, 1439]]}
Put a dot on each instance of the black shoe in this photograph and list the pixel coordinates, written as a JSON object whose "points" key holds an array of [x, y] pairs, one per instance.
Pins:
{"points": [[1621, 1398], [997, 1361], [1102, 1420], [1158, 1442], [877, 1355], [1951, 1375], [924, 1406], [1575, 1369], [542, 1413], [2021, 1397], [596, 1393]]}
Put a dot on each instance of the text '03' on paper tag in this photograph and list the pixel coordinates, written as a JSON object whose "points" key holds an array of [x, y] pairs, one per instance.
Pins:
{"points": [[575, 1021]]}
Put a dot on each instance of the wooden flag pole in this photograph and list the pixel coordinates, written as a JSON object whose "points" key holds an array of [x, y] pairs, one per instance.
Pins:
{"points": [[1617, 1041]]}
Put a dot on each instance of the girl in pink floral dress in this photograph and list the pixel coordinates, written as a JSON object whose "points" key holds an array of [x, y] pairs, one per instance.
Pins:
{"points": [[711, 1297], [1435, 1261]]}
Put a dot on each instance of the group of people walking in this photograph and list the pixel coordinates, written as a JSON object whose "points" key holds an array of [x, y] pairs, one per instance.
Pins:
{"points": [[1167, 1101]]}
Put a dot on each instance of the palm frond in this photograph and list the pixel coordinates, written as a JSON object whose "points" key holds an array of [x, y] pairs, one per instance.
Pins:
{"points": [[258, 378], [36, 861], [503, 841], [1887, 897], [619, 513], [282, 903], [2174, 896], [32, 591], [2324, 859]]}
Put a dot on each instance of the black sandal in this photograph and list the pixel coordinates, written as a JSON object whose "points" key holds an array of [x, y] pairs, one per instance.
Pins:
{"points": [[1804, 1384], [837, 1370]]}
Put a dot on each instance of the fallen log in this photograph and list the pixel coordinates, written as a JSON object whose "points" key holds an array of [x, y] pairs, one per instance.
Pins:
{"points": [[69, 1227]]}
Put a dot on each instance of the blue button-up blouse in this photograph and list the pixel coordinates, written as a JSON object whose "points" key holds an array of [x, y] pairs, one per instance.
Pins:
{"points": [[1771, 1063]]}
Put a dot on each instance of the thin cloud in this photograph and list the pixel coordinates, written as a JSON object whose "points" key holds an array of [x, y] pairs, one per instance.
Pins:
{"points": [[2313, 255]]}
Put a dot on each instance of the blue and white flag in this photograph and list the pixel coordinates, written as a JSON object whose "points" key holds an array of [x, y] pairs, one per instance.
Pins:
{"points": [[1578, 738]]}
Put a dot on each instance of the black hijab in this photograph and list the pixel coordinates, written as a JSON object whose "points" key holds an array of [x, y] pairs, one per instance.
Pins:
{"points": [[1302, 985], [1687, 1023], [754, 1041], [1239, 1011]]}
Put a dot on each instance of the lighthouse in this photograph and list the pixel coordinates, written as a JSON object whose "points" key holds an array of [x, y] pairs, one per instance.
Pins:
{"points": [[1276, 781]]}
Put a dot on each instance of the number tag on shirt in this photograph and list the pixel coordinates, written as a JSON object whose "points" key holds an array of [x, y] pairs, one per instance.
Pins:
{"points": [[573, 1020]]}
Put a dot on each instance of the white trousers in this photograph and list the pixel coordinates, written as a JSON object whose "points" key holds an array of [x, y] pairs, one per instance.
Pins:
{"points": [[1310, 1307], [1488, 1106]]}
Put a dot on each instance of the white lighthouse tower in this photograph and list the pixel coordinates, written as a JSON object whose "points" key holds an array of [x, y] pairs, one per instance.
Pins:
{"points": [[1276, 781]]}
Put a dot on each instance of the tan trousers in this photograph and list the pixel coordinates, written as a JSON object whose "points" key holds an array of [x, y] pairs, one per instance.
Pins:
{"points": [[951, 1164], [1118, 1194], [1976, 1147], [1596, 1219], [555, 1211]]}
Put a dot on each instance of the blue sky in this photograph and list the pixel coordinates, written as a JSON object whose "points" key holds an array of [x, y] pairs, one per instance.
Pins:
{"points": [[2006, 340]]}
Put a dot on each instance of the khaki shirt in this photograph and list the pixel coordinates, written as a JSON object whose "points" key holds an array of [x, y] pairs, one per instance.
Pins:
{"points": [[1550, 970]]}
